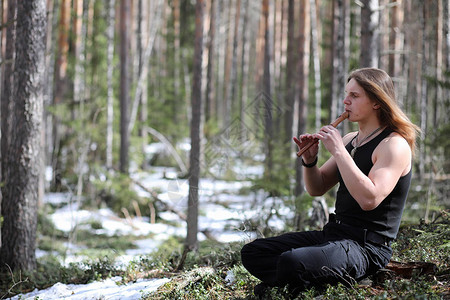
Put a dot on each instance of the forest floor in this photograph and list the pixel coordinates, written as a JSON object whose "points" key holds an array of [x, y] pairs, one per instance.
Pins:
{"points": [[94, 254]]}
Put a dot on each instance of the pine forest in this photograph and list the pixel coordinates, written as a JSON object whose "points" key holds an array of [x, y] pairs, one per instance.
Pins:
{"points": [[100, 96]]}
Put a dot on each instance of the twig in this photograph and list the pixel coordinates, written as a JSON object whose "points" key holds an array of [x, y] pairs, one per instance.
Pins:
{"points": [[14, 282]]}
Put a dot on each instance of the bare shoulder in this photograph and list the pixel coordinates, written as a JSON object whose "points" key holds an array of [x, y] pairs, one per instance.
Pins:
{"points": [[394, 150], [396, 143]]}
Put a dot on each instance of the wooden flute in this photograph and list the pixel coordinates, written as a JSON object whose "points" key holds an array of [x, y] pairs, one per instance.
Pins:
{"points": [[307, 144]]}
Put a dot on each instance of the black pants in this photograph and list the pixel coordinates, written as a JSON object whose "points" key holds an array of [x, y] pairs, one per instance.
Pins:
{"points": [[312, 258]]}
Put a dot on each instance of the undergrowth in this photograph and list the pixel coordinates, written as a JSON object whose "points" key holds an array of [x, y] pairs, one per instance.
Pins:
{"points": [[215, 271]]}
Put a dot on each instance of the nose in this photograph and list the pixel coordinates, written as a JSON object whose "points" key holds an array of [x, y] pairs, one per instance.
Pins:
{"points": [[347, 100]]}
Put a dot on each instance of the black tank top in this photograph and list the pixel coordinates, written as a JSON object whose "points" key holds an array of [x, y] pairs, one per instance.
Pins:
{"points": [[385, 218]]}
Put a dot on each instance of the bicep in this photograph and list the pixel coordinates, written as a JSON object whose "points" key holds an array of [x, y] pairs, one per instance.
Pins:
{"points": [[391, 161]]}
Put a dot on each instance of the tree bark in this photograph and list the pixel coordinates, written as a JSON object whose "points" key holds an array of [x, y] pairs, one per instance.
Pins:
{"points": [[302, 101], [124, 84], [369, 33], [194, 167], [267, 92], [7, 100], [210, 104], [316, 64], [340, 49], [111, 11], [23, 166], [291, 77], [61, 87]]}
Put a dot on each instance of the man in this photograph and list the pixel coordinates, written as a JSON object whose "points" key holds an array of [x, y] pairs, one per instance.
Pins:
{"points": [[373, 169]]}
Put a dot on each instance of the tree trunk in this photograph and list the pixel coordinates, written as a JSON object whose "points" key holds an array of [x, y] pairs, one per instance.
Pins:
{"points": [[291, 77], [111, 12], [21, 186], [226, 103], [124, 84], [61, 86], [369, 33], [52, 25], [316, 65], [210, 103], [340, 49], [194, 167], [234, 60], [423, 96], [245, 57], [383, 41], [267, 92], [303, 95], [396, 41], [7, 99]]}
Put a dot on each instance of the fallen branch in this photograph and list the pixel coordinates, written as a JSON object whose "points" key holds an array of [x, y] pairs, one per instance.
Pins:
{"points": [[410, 269], [169, 207]]}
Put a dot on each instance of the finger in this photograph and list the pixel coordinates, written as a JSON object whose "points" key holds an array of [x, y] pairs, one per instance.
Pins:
{"points": [[297, 141]]}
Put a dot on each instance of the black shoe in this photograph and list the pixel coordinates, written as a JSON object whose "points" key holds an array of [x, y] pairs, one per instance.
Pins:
{"points": [[260, 290]]}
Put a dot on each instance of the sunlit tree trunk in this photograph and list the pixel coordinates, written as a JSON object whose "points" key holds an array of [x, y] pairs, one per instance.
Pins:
{"points": [[61, 86], [194, 168], [111, 12], [302, 101], [79, 33], [340, 49], [291, 77], [369, 33], [396, 41], [23, 157], [316, 64], [383, 40]]}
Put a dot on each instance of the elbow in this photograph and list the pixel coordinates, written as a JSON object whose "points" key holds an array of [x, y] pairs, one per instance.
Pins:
{"points": [[314, 193], [369, 204]]}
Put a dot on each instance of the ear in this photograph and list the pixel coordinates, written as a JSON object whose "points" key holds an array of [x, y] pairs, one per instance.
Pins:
{"points": [[376, 106]]}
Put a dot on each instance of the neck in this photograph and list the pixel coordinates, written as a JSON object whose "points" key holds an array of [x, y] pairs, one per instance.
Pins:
{"points": [[366, 128]]}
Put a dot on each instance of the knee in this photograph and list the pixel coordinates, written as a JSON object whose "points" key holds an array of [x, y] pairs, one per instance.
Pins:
{"points": [[287, 263], [289, 270], [248, 252]]}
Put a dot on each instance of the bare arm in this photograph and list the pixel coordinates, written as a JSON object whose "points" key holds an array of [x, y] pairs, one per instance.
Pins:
{"points": [[391, 159], [319, 180]]}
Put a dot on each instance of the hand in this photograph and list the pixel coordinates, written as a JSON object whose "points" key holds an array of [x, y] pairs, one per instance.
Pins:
{"points": [[306, 139], [330, 137]]}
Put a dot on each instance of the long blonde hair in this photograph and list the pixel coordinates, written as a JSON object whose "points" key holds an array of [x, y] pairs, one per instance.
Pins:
{"points": [[379, 87]]}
